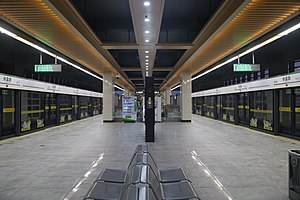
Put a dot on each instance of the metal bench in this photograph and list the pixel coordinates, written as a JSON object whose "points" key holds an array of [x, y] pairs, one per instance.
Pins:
{"points": [[167, 191], [142, 181], [118, 176], [142, 155], [102, 190], [138, 192]]}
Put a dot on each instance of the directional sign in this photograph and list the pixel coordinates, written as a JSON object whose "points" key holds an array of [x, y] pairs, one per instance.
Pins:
{"points": [[47, 68], [246, 67]]}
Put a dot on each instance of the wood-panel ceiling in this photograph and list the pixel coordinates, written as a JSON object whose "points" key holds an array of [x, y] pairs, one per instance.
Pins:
{"points": [[41, 19], [250, 21]]}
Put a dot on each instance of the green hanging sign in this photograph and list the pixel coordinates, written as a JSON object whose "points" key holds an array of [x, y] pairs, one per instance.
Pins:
{"points": [[47, 68], [246, 67]]}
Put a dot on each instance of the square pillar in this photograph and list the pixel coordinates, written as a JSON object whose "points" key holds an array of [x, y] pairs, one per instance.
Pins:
{"points": [[186, 97], [167, 95], [149, 109], [108, 97]]}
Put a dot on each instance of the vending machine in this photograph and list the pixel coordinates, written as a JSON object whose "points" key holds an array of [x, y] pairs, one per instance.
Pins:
{"points": [[129, 109]]}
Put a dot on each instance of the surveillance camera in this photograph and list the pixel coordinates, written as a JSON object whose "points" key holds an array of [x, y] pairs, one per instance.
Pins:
{"points": [[117, 76], [145, 16]]}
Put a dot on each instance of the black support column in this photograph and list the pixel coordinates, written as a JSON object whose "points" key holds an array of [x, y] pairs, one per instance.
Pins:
{"points": [[236, 109], [18, 112], [293, 112], [202, 106], [276, 111], [1, 113], [149, 109], [58, 109], [215, 102]]}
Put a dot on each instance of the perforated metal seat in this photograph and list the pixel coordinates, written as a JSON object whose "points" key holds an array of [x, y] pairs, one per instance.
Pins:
{"points": [[172, 175], [113, 191], [105, 191], [179, 190], [167, 191], [164, 176], [112, 175], [118, 176]]}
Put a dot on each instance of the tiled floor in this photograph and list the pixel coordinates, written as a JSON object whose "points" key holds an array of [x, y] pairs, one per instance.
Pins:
{"points": [[229, 161]]}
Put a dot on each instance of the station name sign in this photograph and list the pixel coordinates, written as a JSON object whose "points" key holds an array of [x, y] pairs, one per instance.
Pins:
{"points": [[246, 67], [47, 68]]}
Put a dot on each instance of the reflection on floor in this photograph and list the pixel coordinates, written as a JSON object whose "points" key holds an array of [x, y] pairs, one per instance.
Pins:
{"points": [[222, 161]]}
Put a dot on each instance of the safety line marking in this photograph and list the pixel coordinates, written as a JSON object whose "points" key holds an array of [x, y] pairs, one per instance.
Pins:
{"points": [[76, 186], [211, 175]]}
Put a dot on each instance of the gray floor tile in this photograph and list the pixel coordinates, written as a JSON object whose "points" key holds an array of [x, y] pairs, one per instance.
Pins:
{"points": [[47, 165]]}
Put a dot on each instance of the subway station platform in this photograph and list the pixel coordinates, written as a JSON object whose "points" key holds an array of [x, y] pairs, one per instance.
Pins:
{"points": [[223, 161]]}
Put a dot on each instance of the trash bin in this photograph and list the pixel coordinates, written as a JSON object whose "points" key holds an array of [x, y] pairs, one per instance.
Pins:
{"points": [[294, 174]]}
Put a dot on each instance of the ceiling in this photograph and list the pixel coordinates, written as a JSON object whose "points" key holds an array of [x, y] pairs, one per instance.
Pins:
{"points": [[275, 57], [184, 36], [20, 58], [121, 29]]}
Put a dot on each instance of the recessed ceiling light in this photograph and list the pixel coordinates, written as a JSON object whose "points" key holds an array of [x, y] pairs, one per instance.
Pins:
{"points": [[147, 40], [146, 51], [147, 63], [146, 3], [147, 19], [147, 60], [147, 32], [147, 56]]}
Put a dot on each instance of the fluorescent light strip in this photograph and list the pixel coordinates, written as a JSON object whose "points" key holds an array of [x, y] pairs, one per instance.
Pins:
{"points": [[293, 28], [175, 87], [252, 49], [118, 87], [272, 39], [146, 3], [46, 52], [2, 30]]}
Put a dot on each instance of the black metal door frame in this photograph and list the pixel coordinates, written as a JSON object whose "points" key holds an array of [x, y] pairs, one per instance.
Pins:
{"points": [[1, 113]]}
